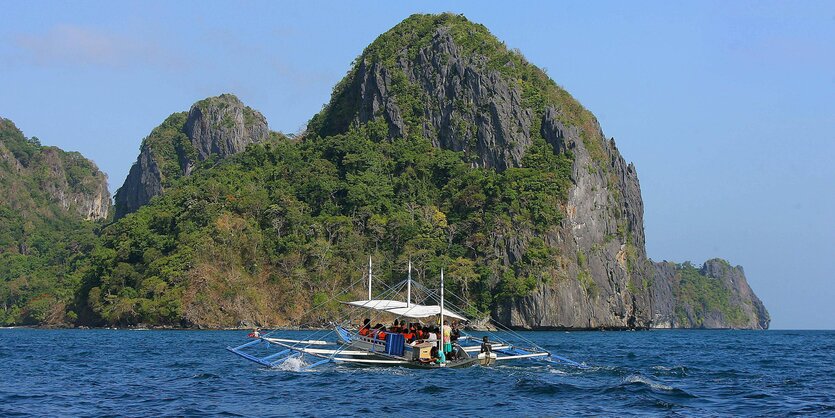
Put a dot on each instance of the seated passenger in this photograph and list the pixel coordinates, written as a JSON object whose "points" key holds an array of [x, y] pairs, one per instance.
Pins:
{"points": [[432, 335], [381, 335], [436, 356], [395, 327], [366, 327]]}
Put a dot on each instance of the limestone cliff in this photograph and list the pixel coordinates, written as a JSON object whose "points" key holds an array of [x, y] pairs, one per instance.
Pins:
{"points": [[442, 147], [214, 127], [35, 176], [449, 80], [716, 295], [605, 282]]}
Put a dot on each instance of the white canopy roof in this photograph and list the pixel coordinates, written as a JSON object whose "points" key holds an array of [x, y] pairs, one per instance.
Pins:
{"points": [[379, 304], [399, 308], [422, 311]]}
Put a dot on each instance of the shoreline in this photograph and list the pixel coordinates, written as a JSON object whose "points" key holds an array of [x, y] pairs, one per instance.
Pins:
{"points": [[172, 328]]}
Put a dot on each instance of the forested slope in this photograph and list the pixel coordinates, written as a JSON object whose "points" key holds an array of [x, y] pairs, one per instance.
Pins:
{"points": [[440, 145], [50, 201]]}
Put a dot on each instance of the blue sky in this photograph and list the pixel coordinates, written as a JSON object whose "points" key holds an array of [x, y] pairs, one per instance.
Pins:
{"points": [[727, 109]]}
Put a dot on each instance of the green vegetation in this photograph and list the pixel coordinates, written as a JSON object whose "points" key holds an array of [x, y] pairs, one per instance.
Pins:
{"points": [[265, 234], [702, 295], [584, 274], [167, 142], [42, 245], [284, 221], [409, 37]]}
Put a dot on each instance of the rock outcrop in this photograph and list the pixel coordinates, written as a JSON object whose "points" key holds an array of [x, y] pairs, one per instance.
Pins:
{"points": [[50, 203], [214, 127], [605, 280], [448, 80], [536, 214], [88, 196], [716, 295], [466, 108], [66, 179]]}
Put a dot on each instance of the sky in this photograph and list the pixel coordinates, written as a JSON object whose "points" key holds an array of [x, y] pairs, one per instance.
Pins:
{"points": [[727, 109]]}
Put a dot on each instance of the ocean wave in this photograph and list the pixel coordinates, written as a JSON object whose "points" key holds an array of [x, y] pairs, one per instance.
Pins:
{"points": [[432, 389], [196, 377], [675, 371], [541, 387], [640, 383], [649, 382]]}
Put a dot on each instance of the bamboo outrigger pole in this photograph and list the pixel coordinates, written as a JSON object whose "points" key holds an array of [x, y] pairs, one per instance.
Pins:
{"points": [[369, 277], [409, 286]]}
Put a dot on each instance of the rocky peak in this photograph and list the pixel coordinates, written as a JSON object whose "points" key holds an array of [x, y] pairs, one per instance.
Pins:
{"points": [[67, 179], [451, 81], [716, 295], [222, 126], [741, 294], [217, 126]]}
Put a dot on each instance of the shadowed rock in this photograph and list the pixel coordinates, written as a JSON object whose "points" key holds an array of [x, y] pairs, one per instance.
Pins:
{"points": [[218, 126]]}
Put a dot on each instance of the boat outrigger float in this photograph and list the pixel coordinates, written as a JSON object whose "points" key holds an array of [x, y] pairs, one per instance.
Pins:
{"points": [[350, 347]]}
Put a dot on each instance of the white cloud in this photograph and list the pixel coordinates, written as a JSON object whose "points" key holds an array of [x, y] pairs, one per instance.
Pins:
{"points": [[82, 46]]}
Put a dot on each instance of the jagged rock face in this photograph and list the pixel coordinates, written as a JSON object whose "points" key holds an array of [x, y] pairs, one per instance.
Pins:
{"points": [[67, 179], [740, 307], [144, 181], [472, 108], [87, 197], [222, 127], [462, 102], [218, 126], [469, 108], [603, 285], [663, 301]]}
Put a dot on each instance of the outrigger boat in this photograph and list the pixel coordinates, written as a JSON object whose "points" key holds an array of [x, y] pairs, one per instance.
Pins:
{"points": [[349, 347]]}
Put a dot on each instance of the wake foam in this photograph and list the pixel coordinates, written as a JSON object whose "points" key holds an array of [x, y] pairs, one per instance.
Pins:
{"points": [[294, 364]]}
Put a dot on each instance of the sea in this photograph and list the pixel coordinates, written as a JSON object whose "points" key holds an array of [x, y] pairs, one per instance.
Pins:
{"points": [[101, 372]]}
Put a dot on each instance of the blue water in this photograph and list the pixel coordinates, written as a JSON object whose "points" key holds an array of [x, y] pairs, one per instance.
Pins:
{"points": [[148, 373]]}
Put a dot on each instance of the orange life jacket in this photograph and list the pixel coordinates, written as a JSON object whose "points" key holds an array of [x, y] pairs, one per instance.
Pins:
{"points": [[364, 332], [381, 335], [409, 336]]}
